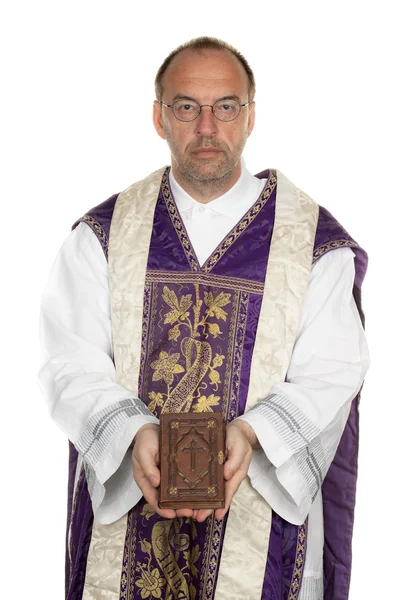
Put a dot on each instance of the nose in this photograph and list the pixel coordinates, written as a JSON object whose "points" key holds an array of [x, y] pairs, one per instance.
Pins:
{"points": [[206, 122]]}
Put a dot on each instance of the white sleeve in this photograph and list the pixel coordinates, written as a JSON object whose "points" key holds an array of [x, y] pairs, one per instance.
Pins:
{"points": [[77, 374], [300, 423]]}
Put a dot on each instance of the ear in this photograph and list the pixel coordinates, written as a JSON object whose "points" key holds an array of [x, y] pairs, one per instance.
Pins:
{"points": [[157, 119], [251, 118]]}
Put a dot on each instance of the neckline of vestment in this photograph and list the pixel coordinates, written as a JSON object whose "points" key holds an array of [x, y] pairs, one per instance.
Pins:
{"points": [[233, 204], [237, 230]]}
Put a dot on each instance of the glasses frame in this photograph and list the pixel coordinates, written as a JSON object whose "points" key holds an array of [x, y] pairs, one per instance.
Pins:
{"points": [[201, 106]]}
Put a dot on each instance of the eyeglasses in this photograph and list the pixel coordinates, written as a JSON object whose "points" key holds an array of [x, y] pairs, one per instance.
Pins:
{"points": [[189, 110]]}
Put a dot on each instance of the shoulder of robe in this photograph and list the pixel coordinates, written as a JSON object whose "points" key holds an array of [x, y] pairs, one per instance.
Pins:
{"points": [[330, 234], [99, 217]]}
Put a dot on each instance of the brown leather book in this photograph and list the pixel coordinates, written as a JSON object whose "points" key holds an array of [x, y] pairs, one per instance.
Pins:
{"points": [[192, 451]]}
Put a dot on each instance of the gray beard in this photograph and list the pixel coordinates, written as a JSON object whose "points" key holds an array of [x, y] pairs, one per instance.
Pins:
{"points": [[212, 179]]}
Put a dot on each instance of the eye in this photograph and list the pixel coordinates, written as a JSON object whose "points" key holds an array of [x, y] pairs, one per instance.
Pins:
{"points": [[185, 106], [226, 106]]}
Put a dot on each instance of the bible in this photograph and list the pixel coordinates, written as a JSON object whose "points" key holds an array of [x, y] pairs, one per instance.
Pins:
{"points": [[192, 453]]}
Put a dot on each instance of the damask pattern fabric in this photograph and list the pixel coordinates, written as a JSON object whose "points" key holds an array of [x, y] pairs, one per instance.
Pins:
{"points": [[166, 368]]}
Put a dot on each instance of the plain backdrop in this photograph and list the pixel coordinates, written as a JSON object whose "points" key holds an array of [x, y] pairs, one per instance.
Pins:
{"points": [[77, 91]]}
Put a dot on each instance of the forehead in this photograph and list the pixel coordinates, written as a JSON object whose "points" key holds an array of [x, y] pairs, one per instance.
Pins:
{"points": [[211, 73]]}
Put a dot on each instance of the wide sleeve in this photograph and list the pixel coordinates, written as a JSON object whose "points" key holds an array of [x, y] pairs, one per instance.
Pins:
{"points": [[300, 423], [77, 374]]}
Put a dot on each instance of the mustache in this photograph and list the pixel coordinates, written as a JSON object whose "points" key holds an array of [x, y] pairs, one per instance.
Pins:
{"points": [[206, 143]]}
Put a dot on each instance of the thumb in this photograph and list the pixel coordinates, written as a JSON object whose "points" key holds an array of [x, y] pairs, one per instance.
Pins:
{"points": [[233, 463], [147, 459], [150, 469]]}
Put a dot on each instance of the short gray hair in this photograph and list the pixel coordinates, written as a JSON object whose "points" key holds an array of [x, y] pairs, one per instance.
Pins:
{"points": [[197, 45]]}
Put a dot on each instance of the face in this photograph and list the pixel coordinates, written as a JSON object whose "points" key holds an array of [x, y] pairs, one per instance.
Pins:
{"points": [[205, 149]]}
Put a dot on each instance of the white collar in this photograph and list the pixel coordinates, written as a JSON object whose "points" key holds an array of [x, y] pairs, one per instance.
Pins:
{"points": [[229, 204]]}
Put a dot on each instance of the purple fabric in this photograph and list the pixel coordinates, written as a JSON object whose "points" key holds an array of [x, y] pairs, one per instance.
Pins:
{"points": [[99, 219], [330, 231], [246, 260], [72, 461], [339, 495], [339, 487], [80, 521]]}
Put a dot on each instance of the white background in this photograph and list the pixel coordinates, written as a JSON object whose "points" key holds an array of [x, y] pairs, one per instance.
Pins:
{"points": [[77, 91]]}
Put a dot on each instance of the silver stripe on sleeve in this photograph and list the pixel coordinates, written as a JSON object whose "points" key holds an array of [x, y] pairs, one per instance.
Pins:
{"points": [[104, 425], [300, 435]]}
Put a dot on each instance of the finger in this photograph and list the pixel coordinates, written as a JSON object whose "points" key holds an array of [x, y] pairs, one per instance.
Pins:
{"points": [[184, 512], [167, 513], [203, 514], [231, 487], [195, 513], [236, 456], [150, 493], [147, 462]]}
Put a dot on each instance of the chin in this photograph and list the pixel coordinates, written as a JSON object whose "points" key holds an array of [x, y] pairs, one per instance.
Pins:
{"points": [[208, 171]]}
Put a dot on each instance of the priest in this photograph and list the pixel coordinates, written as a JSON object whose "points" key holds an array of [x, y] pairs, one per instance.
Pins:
{"points": [[203, 288]]}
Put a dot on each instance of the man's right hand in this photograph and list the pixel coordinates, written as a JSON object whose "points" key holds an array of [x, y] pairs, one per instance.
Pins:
{"points": [[145, 461]]}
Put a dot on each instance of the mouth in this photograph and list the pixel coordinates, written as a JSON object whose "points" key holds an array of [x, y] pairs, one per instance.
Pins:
{"points": [[206, 151]]}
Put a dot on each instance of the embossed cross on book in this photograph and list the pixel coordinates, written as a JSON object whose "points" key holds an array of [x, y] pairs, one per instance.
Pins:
{"points": [[193, 449], [192, 455]]}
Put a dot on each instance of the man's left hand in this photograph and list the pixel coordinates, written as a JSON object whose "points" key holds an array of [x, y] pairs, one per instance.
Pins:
{"points": [[240, 440]]}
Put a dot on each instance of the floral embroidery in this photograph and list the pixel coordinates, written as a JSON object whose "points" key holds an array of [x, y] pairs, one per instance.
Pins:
{"points": [[166, 367], [151, 582], [191, 557], [204, 404], [148, 511], [187, 315], [179, 308], [214, 305], [156, 400]]}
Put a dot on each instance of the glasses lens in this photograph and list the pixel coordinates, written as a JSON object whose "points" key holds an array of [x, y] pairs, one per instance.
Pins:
{"points": [[186, 110], [226, 110]]}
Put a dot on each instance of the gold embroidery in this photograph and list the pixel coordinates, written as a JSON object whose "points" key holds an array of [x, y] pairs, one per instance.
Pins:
{"points": [[197, 356], [156, 400], [211, 553], [299, 563], [227, 242], [221, 457], [204, 366], [149, 320], [321, 250], [180, 308], [147, 511], [99, 231], [204, 404], [150, 582], [207, 279], [167, 543], [243, 223], [166, 367]]}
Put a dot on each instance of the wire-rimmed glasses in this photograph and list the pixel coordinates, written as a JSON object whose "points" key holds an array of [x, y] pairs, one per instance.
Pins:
{"points": [[226, 109]]}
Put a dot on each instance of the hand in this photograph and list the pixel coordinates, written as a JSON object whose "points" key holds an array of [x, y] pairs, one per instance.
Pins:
{"points": [[145, 462], [240, 439]]}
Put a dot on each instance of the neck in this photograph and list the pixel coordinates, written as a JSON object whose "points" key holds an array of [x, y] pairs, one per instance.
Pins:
{"points": [[206, 191]]}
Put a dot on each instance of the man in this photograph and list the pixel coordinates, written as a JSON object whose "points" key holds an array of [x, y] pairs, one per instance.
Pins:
{"points": [[205, 289]]}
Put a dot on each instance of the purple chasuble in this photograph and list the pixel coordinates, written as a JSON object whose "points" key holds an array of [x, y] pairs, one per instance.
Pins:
{"points": [[199, 328]]}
